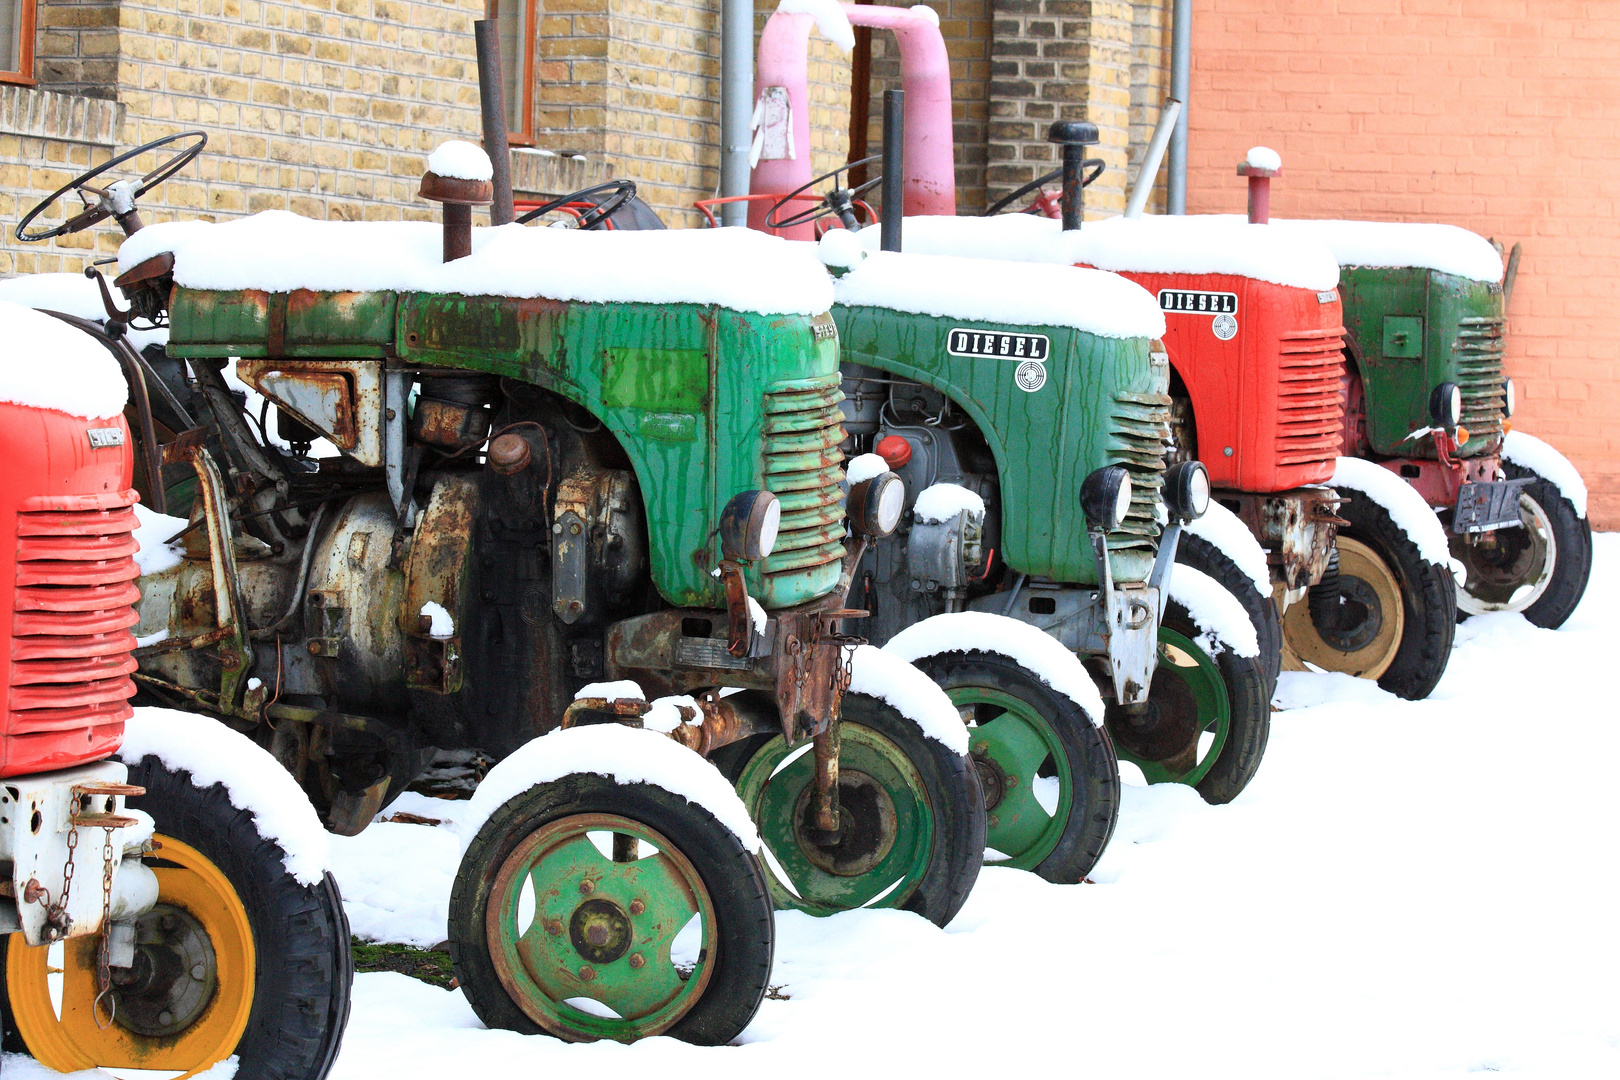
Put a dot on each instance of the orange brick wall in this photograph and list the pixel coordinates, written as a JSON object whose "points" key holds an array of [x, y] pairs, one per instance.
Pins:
{"points": [[1501, 116]]}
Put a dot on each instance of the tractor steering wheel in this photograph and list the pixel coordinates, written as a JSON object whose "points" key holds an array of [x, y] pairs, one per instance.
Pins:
{"points": [[623, 191], [840, 201], [1095, 167], [116, 200]]}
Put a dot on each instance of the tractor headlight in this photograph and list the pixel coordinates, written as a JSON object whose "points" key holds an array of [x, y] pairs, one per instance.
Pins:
{"points": [[875, 505], [1186, 490], [748, 525], [1445, 406], [1105, 497], [1510, 399]]}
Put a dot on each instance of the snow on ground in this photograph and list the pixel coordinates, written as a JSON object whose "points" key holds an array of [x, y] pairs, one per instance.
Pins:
{"points": [[1407, 890]]}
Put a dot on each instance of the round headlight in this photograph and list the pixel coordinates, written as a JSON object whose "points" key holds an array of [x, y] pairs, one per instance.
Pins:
{"points": [[1445, 405], [748, 525], [1105, 497], [875, 505], [1186, 490], [1509, 398]]}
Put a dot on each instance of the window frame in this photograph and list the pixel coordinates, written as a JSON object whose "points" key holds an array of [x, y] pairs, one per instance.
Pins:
{"points": [[526, 62], [25, 47]]}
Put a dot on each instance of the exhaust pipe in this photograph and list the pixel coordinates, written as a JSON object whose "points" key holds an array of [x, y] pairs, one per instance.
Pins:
{"points": [[492, 104], [894, 168], [1073, 136], [1154, 156]]}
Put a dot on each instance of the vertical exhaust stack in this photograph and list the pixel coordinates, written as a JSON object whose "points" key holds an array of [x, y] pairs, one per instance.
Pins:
{"points": [[894, 167], [1260, 166], [458, 198], [1073, 136], [492, 104]]}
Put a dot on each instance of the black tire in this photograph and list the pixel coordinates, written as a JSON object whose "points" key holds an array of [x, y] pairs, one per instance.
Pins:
{"points": [[741, 899], [304, 972], [1242, 681], [950, 788], [1094, 805], [1428, 598], [1572, 560], [1200, 554]]}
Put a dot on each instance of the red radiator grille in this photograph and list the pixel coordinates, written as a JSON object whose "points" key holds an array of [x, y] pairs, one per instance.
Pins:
{"points": [[1310, 415], [73, 607]]}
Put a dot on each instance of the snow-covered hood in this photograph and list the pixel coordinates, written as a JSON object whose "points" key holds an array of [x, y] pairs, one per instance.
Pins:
{"points": [[47, 364], [1196, 244], [277, 252], [1445, 248]]}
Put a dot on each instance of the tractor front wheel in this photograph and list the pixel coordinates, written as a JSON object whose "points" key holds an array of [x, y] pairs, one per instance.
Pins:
{"points": [[1206, 719], [237, 958], [586, 908], [1394, 613], [912, 832], [1540, 569], [1050, 778]]}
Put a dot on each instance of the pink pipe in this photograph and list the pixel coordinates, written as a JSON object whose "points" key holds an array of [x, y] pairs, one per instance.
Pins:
{"points": [[925, 75]]}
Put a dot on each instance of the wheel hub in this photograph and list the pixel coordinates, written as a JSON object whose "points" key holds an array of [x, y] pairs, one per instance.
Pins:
{"points": [[1358, 618], [866, 827], [1162, 729], [991, 777], [600, 931], [174, 977]]}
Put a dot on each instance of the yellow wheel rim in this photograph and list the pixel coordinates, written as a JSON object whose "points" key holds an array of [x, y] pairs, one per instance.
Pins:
{"points": [[75, 1041], [1371, 659]]}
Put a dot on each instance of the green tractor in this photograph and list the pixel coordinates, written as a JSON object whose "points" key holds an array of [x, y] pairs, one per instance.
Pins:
{"points": [[575, 510], [1425, 310]]}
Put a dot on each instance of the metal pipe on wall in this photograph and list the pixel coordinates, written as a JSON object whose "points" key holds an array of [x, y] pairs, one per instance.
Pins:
{"points": [[736, 104], [1180, 80]]}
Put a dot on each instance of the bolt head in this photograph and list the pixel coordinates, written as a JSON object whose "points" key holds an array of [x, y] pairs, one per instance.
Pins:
{"points": [[198, 972], [638, 961], [637, 907], [554, 927], [165, 1017], [168, 922], [597, 935], [587, 973], [587, 886]]}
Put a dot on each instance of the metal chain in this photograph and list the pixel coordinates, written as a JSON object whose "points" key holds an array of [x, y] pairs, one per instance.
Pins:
{"points": [[56, 914], [103, 966]]}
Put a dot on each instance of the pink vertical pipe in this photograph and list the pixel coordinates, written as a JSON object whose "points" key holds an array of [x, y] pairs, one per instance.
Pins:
{"points": [[1259, 191], [925, 75]]}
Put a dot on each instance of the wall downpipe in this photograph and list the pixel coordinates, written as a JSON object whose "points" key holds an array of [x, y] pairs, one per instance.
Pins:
{"points": [[736, 104], [1180, 85]]}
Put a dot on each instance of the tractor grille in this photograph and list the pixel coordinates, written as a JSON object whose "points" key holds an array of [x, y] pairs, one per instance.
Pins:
{"points": [[1310, 412], [72, 612], [1138, 436], [803, 468], [1478, 354]]}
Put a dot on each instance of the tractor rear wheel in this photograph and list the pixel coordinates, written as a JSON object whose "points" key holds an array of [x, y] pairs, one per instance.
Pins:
{"points": [[1540, 570], [1396, 612], [586, 908], [1050, 778], [913, 832], [263, 962], [1206, 719]]}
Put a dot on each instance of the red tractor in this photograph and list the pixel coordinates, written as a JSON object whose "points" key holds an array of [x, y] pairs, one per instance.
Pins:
{"points": [[189, 918]]}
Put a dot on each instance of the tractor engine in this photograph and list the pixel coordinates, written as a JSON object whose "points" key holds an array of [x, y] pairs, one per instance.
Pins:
{"points": [[466, 618]]}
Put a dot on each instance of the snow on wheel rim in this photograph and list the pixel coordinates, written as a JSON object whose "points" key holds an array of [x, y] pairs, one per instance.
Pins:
{"points": [[1538, 529]]}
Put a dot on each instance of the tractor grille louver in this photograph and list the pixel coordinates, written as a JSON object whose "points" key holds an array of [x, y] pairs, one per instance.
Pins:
{"points": [[803, 428], [72, 610], [1478, 352], [1310, 411], [1138, 437]]}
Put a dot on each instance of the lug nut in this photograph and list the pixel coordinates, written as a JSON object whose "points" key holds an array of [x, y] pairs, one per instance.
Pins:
{"points": [[198, 972], [168, 922], [637, 907], [165, 1017], [587, 973], [587, 886], [554, 927], [638, 961]]}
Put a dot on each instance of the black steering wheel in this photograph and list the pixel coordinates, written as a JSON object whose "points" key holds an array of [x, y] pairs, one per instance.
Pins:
{"points": [[116, 200], [623, 191], [840, 201], [1094, 168]]}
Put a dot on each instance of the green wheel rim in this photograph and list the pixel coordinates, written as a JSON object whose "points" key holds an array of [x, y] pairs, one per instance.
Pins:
{"points": [[1011, 743], [886, 813], [601, 928], [1187, 699]]}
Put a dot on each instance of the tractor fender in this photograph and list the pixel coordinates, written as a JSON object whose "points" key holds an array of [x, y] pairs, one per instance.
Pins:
{"points": [[1410, 512], [1226, 531], [1023, 644], [1543, 459], [1222, 623], [891, 678]]}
